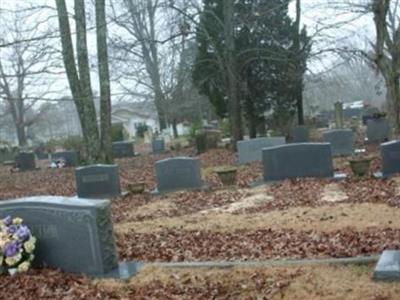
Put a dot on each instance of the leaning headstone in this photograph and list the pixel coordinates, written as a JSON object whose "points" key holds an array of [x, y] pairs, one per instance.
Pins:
{"points": [[378, 130], [26, 161], [297, 160], [341, 140], [158, 145], [388, 267], [98, 181], [123, 149], [178, 173], [390, 152], [251, 150], [74, 235], [301, 134], [71, 157]]}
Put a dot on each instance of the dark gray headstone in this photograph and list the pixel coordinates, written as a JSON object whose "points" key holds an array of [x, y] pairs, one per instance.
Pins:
{"points": [[251, 150], [301, 134], [71, 157], [26, 161], [97, 181], [390, 158], [158, 145], [75, 235], [388, 267], [297, 160], [178, 173], [378, 130], [341, 140], [123, 149]]}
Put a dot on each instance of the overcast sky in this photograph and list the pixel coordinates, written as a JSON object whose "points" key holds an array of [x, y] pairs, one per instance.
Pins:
{"points": [[315, 16]]}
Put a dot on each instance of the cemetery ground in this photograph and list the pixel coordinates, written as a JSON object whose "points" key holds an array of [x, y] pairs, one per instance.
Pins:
{"points": [[293, 219]]}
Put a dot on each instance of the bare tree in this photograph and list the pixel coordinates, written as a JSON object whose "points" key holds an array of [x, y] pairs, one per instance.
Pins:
{"points": [[79, 77], [139, 21], [24, 68]]}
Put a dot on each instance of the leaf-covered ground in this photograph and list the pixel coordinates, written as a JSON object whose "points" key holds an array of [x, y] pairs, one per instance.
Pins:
{"points": [[307, 218]]}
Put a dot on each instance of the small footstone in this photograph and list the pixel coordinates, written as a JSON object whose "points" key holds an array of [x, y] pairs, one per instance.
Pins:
{"points": [[388, 267]]}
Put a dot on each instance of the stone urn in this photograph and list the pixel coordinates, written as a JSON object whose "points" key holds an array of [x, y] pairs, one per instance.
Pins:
{"points": [[227, 175], [137, 187], [360, 166]]}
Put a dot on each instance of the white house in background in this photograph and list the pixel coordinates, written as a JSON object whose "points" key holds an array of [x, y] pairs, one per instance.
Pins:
{"points": [[133, 114]]}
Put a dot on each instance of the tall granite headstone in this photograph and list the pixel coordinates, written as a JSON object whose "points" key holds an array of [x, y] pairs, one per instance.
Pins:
{"points": [[178, 173], [251, 150], [301, 134], [378, 130], [98, 181], [26, 161], [123, 149], [297, 160], [390, 152], [158, 145], [75, 235], [341, 140], [71, 157]]}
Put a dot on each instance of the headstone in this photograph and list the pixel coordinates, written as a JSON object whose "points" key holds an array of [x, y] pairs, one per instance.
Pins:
{"points": [[97, 181], [178, 173], [158, 145], [26, 161], [71, 157], [390, 152], [75, 235], [297, 160], [378, 130], [42, 155], [251, 150], [388, 267], [301, 134], [123, 149], [341, 140], [339, 120]]}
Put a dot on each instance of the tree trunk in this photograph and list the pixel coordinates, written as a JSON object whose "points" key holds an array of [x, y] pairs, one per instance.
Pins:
{"points": [[82, 96], [175, 128], [235, 112], [104, 81], [21, 134], [261, 127], [393, 100], [298, 70]]}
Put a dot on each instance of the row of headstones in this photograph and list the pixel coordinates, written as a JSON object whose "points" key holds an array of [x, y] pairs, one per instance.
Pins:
{"points": [[316, 160], [76, 234], [26, 160], [341, 141], [378, 130]]}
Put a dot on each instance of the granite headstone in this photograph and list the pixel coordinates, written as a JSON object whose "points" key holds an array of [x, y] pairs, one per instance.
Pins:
{"points": [[97, 181], [25, 161], [390, 152], [251, 150], [71, 157], [378, 130], [123, 149], [178, 173], [388, 267], [297, 160], [73, 234], [341, 140], [158, 145], [301, 134]]}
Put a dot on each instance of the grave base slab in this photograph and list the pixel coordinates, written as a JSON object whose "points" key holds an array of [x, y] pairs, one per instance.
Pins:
{"points": [[124, 271], [336, 176], [388, 267], [156, 192]]}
